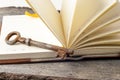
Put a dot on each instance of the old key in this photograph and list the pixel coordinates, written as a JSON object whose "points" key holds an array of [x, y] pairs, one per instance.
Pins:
{"points": [[62, 52]]}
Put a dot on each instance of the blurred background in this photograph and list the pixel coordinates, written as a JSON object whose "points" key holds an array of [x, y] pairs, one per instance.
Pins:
{"points": [[22, 3]]}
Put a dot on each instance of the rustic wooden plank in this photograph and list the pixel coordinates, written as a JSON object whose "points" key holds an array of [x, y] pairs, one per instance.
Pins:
{"points": [[11, 76]]}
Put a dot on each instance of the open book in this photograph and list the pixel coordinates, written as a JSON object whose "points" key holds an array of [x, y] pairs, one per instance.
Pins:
{"points": [[87, 27]]}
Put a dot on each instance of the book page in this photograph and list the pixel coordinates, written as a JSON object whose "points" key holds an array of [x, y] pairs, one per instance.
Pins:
{"points": [[50, 16], [108, 17], [85, 12], [57, 4], [108, 40], [28, 27], [96, 29], [67, 13], [98, 50], [104, 31]]}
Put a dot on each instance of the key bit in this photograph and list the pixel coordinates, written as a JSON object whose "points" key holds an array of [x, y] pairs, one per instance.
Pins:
{"points": [[62, 52]]}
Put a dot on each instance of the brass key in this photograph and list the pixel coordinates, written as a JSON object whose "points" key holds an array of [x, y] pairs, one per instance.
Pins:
{"points": [[62, 52]]}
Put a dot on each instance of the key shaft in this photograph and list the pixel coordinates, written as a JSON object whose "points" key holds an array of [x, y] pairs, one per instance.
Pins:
{"points": [[62, 52]]}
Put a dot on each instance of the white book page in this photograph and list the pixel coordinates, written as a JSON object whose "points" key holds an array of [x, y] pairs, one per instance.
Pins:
{"points": [[28, 27], [57, 4], [108, 17], [67, 12], [104, 31], [109, 40], [51, 17], [98, 50], [85, 13]]}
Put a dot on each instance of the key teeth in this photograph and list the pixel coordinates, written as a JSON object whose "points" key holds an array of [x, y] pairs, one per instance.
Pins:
{"points": [[64, 53], [70, 51]]}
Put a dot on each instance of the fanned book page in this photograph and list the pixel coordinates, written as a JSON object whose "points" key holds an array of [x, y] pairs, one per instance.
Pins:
{"points": [[107, 30], [76, 16], [50, 16], [110, 16], [81, 15]]}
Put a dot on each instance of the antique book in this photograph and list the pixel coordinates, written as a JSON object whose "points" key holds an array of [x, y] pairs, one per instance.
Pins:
{"points": [[87, 27]]}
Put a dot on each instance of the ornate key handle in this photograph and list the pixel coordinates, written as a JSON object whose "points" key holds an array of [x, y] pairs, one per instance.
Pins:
{"points": [[62, 52], [11, 42]]}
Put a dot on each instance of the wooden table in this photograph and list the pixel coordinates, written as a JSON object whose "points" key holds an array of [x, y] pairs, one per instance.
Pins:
{"points": [[100, 69]]}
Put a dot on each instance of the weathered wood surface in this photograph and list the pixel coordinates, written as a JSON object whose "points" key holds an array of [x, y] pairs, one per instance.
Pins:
{"points": [[11, 76], [102, 69]]}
